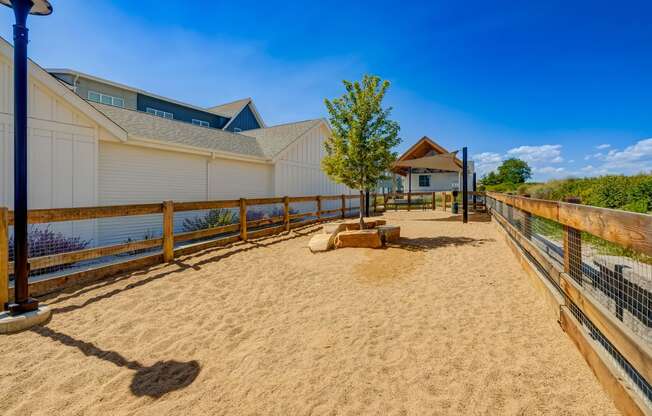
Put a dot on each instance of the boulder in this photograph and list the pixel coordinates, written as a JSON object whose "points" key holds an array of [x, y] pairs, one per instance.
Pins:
{"points": [[321, 242], [333, 227], [368, 224], [389, 233], [359, 238]]}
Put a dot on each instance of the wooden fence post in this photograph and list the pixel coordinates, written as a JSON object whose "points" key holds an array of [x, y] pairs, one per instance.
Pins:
{"points": [[168, 231], [343, 206], [4, 258], [243, 219], [318, 207], [573, 248], [286, 212], [434, 204], [527, 221]]}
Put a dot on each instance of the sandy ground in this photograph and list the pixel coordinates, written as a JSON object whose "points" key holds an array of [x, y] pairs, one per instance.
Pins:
{"points": [[445, 323]]}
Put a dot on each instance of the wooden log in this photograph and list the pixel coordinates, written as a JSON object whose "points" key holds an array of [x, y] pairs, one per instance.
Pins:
{"points": [[36, 263], [4, 257], [37, 216], [168, 231], [208, 232], [286, 213], [204, 205], [264, 201], [243, 219]]}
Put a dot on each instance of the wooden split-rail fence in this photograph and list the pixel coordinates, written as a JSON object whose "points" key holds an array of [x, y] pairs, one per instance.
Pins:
{"points": [[167, 244]]}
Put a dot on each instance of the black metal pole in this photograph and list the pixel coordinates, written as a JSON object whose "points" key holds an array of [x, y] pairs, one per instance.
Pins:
{"points": [[22, 301], [465, 186], [475, 189], [366, 203]]}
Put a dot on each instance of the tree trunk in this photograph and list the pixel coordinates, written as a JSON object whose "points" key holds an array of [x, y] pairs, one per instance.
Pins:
{"points": [[361, 209]]}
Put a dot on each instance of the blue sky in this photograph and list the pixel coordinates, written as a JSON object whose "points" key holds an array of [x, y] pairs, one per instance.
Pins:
{"points": [[565, 85]]}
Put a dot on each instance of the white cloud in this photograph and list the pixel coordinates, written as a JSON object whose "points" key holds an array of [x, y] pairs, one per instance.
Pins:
{"points": [[547, 153], [549, 170], [486, 162], [631, 160], [603, 146]]}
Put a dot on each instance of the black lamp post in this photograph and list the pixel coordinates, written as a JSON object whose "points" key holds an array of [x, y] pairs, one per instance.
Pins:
{"points": [[22, 8]]}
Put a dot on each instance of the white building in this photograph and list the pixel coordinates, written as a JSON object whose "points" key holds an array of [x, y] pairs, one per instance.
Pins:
{"points": [[84, 153]]}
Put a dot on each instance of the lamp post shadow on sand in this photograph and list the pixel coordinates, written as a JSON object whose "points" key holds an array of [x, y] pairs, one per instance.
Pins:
{"points": [[153, 381]]}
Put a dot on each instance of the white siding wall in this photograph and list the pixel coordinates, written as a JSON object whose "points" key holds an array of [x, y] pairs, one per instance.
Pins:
{"points": [[442, 181], [230, 179], [298, 171], [62, 152]]}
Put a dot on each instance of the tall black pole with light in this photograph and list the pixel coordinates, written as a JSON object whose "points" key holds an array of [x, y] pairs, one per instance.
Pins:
{"points": [[465, 186], [22, 8]]}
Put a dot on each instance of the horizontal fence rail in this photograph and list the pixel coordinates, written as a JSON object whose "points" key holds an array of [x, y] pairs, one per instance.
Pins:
{"points": [[162, 231], [600, 262]]}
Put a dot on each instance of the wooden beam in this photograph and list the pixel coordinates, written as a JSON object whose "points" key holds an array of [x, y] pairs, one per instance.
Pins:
{"points": [[36, 216], [243, 219], [286, 213], [208, 232], [168, 231], [204, 205]]}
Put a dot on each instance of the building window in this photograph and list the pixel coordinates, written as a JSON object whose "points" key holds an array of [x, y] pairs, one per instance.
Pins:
{"points": [[160, 113], [98, 97], [200, 123], [237, 130], [424, 181]]}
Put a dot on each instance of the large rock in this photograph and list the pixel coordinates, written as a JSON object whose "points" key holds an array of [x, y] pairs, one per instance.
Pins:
{"points": [[368, 224], [359, 238], [333, 227], [321, 242], [389, 233]]}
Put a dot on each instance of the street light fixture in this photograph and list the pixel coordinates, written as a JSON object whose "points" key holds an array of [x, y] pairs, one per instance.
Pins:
{"points": [[22, 8]]}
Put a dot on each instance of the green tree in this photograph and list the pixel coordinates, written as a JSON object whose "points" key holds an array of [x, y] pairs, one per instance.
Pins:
{"points": [[359, 151], [514, 170]]}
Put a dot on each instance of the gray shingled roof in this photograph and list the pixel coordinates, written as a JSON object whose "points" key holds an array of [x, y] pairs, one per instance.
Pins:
{"points": [[160, 129], [275, 139], [265, 142], [229, 110]]}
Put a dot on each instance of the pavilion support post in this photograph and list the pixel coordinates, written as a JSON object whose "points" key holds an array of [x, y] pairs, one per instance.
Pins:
{"points": [[409, 200], [243, 219], [286, 212], [4, 257], [444, 197], [343, 206], [475, 190], [434, 204], [465, 186], [168, 231]]}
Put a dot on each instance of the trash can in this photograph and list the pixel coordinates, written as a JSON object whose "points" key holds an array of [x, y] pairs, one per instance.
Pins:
{"points": [[455, 208]]}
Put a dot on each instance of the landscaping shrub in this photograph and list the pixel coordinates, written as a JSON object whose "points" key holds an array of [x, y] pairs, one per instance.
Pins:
{"points": [[220, 217], [42, 241]]}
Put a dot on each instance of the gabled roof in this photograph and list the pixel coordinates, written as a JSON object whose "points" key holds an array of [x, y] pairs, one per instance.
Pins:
{"points": [[273, 140], [232, 109], [420, 149], [140, 125]]}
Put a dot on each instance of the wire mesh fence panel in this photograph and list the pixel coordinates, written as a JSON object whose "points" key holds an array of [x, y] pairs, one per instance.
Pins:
{"points": [[71, 246], [548, 236], [188, 225], [620, 279], [628, 372]]}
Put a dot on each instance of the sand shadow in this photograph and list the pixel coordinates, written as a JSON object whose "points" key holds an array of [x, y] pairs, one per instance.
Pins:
{"points": [[153, 381], [431, 243], [234, 248], [474, 217]]}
